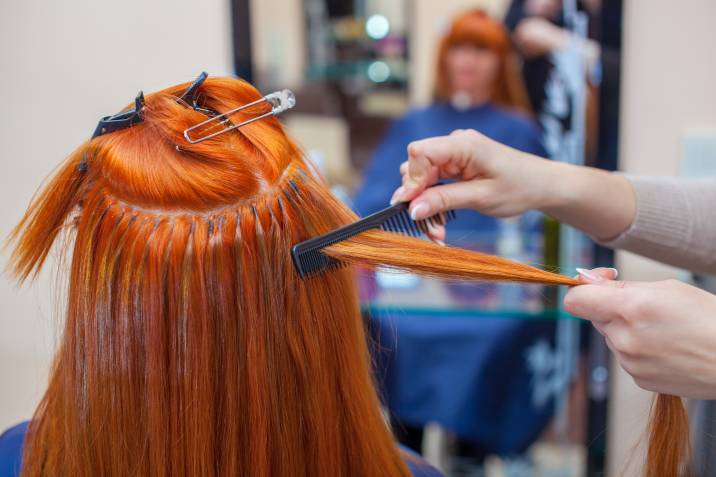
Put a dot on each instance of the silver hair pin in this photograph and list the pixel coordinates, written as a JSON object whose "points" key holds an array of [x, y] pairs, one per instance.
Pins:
{"points": [[280, 101]]}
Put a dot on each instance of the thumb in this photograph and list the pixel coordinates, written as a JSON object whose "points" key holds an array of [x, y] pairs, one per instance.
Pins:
{"points": [[599, 302], [444, 197]]}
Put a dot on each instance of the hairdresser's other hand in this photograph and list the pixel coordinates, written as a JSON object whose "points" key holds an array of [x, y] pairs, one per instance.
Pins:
{"points": [[663, 333], [491, 178]]}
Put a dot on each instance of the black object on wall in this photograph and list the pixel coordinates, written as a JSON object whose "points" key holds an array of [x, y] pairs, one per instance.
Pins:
{"points": [[610, 26], [241, 36]]}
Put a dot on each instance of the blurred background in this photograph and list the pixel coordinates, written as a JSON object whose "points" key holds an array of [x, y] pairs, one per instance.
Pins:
{"points": [[490, 380]]}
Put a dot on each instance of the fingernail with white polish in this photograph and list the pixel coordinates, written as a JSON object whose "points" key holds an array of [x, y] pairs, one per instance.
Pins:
{"points": [[615, 271], [396, 195], [419, 211], [439, 242], [589, 275]]}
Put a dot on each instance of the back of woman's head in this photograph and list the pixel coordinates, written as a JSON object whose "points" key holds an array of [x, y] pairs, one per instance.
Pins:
{"points": [[191, 347], [476, 29]]}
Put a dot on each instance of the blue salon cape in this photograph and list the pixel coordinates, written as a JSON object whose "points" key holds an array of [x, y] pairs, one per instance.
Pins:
{"points": [[11, 455], [382, 174], [470, 374]]}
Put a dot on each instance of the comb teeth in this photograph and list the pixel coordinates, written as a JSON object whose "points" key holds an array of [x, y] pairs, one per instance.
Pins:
{"points": [[310, 261], [402, 223]]}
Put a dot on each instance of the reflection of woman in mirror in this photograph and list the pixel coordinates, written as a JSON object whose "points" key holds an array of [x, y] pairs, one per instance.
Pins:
{"points": [[539, 31], [477, 85]]}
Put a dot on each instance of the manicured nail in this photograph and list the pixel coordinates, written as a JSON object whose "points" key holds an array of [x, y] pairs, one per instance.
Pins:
{"points": [[589, 275], [397, 195], [419, 211], [615, 271], [439, 242]]}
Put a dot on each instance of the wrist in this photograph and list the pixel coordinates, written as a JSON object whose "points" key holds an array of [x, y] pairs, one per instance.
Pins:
{"points": [[554, 185], [598, 202]]}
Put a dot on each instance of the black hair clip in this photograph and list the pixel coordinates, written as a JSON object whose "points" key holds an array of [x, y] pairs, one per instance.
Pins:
{"points": [[190, 95], [82, 166], [122, 120], [134, 116]]}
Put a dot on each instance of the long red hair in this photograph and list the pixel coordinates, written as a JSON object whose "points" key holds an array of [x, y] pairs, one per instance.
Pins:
{"points": [[669, 448], [191, 347], [476, 28]]}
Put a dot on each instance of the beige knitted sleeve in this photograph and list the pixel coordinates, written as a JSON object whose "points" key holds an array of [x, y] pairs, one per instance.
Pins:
{"points": [[675, 222]]}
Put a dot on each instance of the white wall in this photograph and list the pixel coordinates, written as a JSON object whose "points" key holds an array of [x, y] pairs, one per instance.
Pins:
{"points": [[278, 42], [669, 86], [62, 66]]}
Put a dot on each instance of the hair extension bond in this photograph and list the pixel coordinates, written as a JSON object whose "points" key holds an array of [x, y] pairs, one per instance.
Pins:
{"points": [[190, 345]]}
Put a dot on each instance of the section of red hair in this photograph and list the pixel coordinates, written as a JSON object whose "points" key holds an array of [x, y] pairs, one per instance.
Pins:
{"points": [[190, 345], [669, 449]]}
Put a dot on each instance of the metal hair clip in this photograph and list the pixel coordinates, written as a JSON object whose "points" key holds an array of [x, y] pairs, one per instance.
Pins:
{"points": [[280, 101]]}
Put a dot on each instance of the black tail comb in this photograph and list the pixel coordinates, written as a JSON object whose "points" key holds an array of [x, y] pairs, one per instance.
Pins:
{"points": [[310, 261]]}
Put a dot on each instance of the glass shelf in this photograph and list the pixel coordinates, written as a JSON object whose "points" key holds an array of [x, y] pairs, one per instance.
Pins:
{"points": [[389, 292]]}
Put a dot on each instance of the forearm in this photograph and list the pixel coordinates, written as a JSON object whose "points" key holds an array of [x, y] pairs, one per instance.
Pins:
{"points": [[667, 219], [600, 203]]}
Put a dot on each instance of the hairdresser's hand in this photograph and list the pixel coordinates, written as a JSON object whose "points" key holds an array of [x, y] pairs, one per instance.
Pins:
{"points": [[663, 333], [492, 178], [500, 181]]}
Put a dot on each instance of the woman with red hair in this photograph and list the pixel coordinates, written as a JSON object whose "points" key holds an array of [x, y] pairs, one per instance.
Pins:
{"points": [[477, 86], [476, 65]]}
